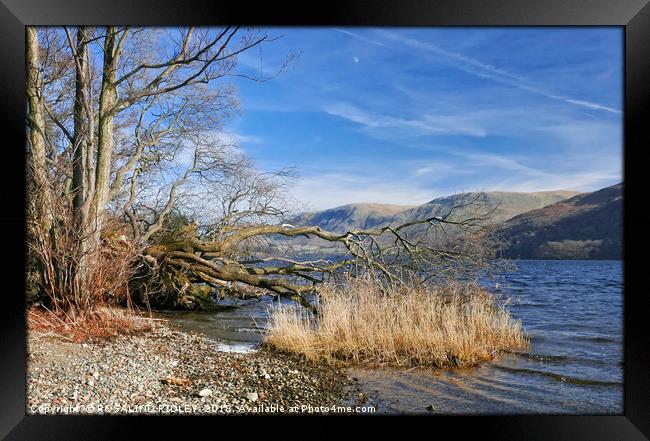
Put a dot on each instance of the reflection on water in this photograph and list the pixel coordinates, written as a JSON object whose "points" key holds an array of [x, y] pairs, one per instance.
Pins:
{"points": [[236, 329], [571, 309]]}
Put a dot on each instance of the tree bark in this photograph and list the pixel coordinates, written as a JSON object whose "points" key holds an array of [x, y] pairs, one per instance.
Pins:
{"points": [[38, 218], [105, 133], [82, 176]]}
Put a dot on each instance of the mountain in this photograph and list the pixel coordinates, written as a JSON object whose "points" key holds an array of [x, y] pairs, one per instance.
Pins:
{"points": [[356, 216], [538, 225], [501, 205], [587, 226], [351, 216]]}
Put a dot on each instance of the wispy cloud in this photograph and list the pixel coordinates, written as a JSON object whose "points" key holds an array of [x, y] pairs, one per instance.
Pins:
{"points": [[499, 162], [587, 134], [362, 38], [437, 170], [520, 177], [430, 112], [428, 124], [243, 139], [581, 181], [475, 67], [335, 189]]}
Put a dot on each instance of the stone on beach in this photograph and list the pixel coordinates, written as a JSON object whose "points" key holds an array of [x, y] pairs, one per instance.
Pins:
{"points": [[205, 392], [165, 370]]}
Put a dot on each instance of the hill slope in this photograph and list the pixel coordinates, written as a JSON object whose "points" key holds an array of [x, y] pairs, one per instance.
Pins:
{"points": [[356, 216], [505, 204], [587, 226], [351, 216]]}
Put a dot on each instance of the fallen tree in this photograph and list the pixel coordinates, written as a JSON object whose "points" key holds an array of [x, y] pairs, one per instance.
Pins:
{"points": [[391, 254], [127, 138]]}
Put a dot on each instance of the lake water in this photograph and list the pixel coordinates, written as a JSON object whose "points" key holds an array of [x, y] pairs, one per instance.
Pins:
{"points": [[573, 312]]}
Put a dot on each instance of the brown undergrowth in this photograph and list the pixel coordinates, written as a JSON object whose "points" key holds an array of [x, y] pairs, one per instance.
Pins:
{"points": [[100, 324]]}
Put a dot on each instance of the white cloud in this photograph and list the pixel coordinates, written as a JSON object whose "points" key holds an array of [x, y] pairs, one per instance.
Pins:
{"points": [[427, 124], [582, 181], [352, 113], [335, 189], [437, 170], [566, 172], [355, 59], [500, 162], [588, 134], [185, 155], [416, 183], [247, 139]]}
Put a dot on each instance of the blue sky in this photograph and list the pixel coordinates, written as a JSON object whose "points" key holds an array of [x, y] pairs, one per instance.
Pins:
{"points": [[404, 115]]}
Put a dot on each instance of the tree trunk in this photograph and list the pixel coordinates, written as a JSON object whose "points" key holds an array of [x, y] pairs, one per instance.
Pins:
{"points": [[82, 176], [105, 133], [38, 217]]}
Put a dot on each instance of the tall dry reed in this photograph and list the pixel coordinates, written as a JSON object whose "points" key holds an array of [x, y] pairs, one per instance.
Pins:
{"points": [[414, 325]]}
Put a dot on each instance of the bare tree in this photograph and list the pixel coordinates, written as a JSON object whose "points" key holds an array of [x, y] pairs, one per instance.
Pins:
{"points": [[133, 106], [126, 128]]}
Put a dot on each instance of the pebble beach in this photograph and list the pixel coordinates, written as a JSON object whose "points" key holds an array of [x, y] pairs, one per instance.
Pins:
{"points": [[167, 371]]}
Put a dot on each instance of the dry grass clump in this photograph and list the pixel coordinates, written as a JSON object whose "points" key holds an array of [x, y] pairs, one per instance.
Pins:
{"points": [[414, 325], [101, 323]]}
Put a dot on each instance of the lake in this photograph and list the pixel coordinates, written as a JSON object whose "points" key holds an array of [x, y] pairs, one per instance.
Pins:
{"points": [[572, 310]]}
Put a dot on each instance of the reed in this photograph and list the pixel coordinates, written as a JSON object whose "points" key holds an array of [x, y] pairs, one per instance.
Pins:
{"points": [[411, 325]]}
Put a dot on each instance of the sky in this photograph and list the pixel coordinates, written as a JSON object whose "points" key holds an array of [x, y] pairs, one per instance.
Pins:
{"points": [[405, 115]]}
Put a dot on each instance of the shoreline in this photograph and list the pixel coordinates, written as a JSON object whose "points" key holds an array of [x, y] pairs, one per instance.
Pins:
{"points": [[168, 371]]}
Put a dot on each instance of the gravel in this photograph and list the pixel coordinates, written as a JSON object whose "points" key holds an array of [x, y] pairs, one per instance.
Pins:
{"points": [[165, 371]]}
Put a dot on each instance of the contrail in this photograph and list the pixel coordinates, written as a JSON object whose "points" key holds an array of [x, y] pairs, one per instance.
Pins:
{"points": [[477, 68]]}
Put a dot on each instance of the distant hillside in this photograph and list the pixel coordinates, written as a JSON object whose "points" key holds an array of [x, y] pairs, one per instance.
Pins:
{"points": [[358, 216], [587, 226], [538, 225], [350, 217], [505, 204]]}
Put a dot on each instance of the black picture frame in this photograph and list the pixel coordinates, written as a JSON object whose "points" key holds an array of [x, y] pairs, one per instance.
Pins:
{"points": [[633, 15]]}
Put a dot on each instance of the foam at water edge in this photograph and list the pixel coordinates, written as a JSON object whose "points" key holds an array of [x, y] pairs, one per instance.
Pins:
{"points": [[237, 348]]}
